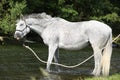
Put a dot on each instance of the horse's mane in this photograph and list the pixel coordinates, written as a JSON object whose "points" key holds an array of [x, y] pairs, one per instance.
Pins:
{"points": [[38, 16], [41, 16]]}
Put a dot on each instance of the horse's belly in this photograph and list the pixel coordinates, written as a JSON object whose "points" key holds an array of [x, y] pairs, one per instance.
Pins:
{"points": [[72, 46]]}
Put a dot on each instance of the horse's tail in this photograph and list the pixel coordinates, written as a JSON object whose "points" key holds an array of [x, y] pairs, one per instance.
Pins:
{"points": [[106, 58]]}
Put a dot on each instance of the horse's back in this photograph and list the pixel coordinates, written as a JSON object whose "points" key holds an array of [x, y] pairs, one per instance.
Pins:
{"points": [[93, 24]]}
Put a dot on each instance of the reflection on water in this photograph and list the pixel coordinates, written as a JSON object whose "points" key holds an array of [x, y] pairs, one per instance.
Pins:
{"points": [[17, 63]]}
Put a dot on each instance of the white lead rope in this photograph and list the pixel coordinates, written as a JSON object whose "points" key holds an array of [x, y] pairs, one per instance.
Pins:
{"points": [[62, 64]]}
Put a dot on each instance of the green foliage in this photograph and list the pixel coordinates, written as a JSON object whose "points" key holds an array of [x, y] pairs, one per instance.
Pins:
{"points": [[107, 11], [68, 11], [113, 17], [9, 14]]}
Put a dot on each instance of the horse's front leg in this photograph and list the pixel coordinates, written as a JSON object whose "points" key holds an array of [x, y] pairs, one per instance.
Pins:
{"points": [[52, 49]]}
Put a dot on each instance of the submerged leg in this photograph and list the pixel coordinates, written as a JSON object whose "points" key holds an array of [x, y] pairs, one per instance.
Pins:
{"points": [[52, 49]]}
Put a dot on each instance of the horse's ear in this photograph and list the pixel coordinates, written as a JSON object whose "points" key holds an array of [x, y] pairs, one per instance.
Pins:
{"points": [[21, 17]]}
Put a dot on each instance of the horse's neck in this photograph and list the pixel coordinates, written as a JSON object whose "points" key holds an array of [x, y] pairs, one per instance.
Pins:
{"points": [[37, 29], [38, 25]]}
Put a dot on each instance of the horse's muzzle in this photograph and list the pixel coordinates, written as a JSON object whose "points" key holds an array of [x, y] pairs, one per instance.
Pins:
{"points": [[17, 36]]}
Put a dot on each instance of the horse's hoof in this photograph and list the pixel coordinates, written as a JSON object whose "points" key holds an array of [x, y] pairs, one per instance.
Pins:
{"points": [[58, 70], [92, 73], [95, 74], [48, 70]]}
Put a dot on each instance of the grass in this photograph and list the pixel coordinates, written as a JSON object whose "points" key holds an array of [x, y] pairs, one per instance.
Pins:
{"points": [[18, 63], [112, 77]]}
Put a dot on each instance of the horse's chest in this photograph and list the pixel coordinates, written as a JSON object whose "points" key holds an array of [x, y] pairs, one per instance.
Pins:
{"points": [[50, 36]]}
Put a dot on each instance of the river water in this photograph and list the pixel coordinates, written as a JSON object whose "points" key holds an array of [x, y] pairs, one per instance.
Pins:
{"points": [[18, 63]]}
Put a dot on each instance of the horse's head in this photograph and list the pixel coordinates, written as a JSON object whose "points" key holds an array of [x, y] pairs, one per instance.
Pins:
{"points": [[22, 29]]}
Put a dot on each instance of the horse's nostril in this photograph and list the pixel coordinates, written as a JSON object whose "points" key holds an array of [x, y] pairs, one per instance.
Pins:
{"points": [[17, 36]]}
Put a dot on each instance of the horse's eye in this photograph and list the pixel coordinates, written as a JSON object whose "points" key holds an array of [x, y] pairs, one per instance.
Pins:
{"points": [[21, 24]]}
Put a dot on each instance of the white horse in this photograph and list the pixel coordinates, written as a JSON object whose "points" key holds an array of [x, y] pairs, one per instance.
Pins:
{"points": [[59, 33]]}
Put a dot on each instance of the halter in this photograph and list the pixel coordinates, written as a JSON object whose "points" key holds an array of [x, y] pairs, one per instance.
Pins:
{"points": [[23, 29]]}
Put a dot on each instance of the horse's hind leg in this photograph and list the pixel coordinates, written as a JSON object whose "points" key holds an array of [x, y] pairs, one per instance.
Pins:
{"points": [[56, 58], [97, 59]]}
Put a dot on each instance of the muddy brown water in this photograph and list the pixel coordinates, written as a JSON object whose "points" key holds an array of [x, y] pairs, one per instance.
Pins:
{"points": [[18, 63]]}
